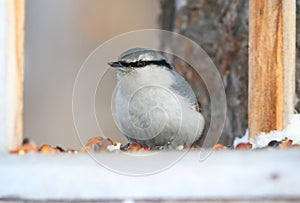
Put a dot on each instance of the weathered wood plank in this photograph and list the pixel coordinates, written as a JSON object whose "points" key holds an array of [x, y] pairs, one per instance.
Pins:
{"points": [[11, 72], [271, 64]]}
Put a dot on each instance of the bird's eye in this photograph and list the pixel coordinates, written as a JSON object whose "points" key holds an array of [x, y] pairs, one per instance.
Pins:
{"points": [[141, 63], [123, 63]]}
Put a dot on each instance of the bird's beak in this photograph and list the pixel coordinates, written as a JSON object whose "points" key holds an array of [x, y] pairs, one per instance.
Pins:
{"points": [[115, 65]]}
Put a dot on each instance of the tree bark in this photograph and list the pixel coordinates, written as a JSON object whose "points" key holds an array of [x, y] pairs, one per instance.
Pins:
{"points": [[221, 29]]}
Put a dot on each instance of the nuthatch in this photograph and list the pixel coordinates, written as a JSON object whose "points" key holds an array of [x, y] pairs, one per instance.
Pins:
{"points": [[154, 104]]}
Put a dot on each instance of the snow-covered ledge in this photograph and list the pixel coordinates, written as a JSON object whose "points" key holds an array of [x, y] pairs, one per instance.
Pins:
{"points": [[238, 175]]}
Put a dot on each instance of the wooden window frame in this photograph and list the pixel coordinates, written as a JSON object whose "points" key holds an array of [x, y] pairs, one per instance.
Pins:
{"points": [[225, 175]]}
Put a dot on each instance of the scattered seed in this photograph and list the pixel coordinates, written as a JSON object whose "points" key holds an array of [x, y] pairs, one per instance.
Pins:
{"points": [[274, 143]]}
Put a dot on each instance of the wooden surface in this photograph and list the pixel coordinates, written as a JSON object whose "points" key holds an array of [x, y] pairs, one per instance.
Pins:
{"points": [[243, 176], [271, 64], [11, 71]]}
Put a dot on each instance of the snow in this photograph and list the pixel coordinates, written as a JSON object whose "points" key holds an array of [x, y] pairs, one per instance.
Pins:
{"points": [[225, 176], [243, 139], [291, 132]]}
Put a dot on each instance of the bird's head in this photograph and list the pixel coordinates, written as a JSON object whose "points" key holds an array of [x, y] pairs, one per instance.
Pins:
{"points": [[138, 58]]}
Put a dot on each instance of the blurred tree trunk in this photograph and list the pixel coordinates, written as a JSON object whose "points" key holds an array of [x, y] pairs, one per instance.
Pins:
{"points": [[220, 27]]}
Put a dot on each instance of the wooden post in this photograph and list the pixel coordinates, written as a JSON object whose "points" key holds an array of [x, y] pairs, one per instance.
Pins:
{"points": [[11, 72], [272, 33]]}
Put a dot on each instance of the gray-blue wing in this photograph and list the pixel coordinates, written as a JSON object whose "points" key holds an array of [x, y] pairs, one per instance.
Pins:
{"points": [[182, 88]]}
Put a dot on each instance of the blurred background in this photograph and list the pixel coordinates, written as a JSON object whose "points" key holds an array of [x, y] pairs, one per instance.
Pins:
{"points": [[60, 35]]}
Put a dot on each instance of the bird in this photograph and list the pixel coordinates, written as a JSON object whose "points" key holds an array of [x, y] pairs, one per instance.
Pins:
{"points": [[154, 105]]}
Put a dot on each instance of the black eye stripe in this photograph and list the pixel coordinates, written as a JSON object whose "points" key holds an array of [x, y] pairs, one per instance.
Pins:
{"points": [[140, 64]]}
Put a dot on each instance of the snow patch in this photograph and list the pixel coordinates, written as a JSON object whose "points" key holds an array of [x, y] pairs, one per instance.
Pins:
{"points": [[243, 139], [291, 132]]}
